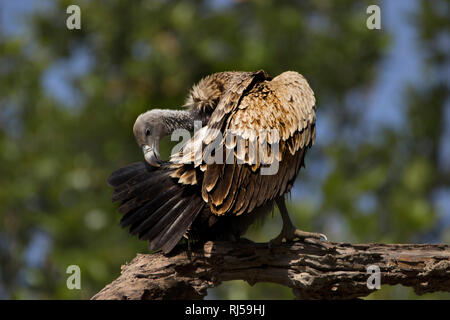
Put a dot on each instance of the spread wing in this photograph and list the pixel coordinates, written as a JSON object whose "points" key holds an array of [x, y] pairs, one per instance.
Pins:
{"points": [[254, 118]]}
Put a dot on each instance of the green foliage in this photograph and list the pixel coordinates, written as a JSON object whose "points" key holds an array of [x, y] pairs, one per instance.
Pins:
{"points": [[56, 154]]}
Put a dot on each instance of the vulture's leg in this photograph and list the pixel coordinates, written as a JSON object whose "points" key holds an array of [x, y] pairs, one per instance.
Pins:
{"points": [[289, 232]]}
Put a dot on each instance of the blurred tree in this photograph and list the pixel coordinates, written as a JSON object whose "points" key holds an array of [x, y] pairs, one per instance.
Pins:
{"points": [[69, 99]]}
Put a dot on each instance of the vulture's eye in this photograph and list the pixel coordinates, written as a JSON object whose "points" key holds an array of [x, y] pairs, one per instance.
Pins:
{"points": [[147, 132]]}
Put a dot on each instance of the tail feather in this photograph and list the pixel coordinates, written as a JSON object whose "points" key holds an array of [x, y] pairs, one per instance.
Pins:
{"points": [[157, 232], [179, 227], [122, 175], [150, 225], [139, 215], [155, 206], [140, 193], [136, 185]]}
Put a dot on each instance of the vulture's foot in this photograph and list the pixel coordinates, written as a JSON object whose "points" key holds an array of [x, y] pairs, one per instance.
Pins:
{"points": [[290, 233]]}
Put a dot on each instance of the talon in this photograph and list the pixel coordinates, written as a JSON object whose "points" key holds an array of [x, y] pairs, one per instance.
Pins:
{"points": [[289, 232], [304, 234], [322, 241]]}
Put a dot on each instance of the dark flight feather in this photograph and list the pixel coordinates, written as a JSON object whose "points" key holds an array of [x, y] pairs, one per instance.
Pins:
{"points": [[155, 213]]}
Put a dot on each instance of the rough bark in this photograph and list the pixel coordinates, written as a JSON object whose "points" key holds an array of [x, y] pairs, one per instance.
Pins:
{"points": [[315, 270]]}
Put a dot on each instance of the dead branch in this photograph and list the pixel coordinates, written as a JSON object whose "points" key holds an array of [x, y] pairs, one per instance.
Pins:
{"points": [[313, 270]]}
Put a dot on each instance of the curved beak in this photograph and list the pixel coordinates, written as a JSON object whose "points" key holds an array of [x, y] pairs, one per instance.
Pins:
{"points": [[151, 155]]}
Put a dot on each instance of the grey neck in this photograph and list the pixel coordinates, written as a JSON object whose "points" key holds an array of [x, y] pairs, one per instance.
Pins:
{"points": [[176, 119]]}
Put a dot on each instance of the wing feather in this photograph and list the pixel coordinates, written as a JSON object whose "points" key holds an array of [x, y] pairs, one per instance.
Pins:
{"points": [[279, 110]]}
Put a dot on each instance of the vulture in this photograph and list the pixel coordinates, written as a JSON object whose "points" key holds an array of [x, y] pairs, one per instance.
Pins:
{"points": [[197, 196]]}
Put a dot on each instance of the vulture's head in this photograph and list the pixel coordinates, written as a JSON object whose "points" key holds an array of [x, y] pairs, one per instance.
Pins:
{"points": [[148, 130]]}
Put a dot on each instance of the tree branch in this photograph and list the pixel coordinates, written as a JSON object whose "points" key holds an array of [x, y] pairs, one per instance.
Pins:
{"points": [[313, 270]]}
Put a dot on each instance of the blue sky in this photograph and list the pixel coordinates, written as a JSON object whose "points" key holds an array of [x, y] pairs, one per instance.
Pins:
{"points": [[401, 66]]}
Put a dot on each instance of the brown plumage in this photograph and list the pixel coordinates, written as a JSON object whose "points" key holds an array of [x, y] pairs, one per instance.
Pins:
{"points": [[209, 200]]}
